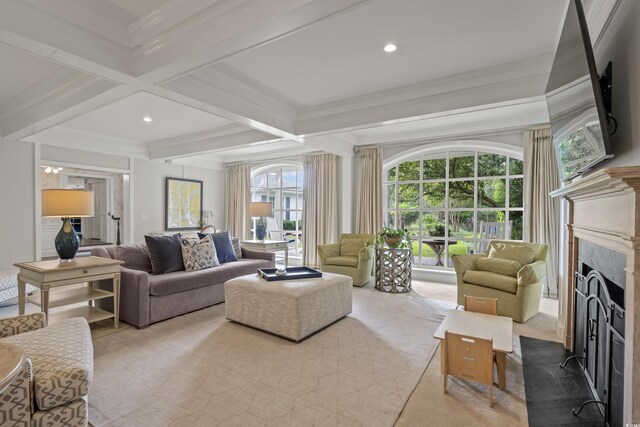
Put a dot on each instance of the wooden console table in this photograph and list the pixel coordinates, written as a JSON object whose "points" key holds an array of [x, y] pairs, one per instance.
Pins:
{"points": [[48, 275], [268, 246]]}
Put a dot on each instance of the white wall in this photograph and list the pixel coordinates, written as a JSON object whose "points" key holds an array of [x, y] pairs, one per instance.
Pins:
{"points": [[148, 181], [17, 212], [621, 45]]}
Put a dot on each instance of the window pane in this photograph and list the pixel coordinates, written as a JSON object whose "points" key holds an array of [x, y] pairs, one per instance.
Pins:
{"points": [[461, 194], [492, 165], [390, 219], [408, 196], [391, 195], [515, 192], [461, 165], [391, 174], [491, 216], [461, 224], [410, 221], [433, 224], [428, 256], [300, 174], [274, 179], [458, 247], [515, 167], [491, 193], [434, 168], [516, 227], [409, 171], [260, 181], [288, 178], [433, 195]]}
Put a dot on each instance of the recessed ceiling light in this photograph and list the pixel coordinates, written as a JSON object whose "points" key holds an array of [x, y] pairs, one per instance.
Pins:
{"points": [[147, 119], [390, 47]]}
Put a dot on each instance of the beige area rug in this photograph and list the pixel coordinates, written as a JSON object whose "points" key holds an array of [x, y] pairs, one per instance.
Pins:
{"points": [[467, 402], [202, 370]]}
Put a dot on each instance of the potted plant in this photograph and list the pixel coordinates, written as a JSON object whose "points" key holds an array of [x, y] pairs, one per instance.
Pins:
{"points": [[437, 230], [394, 238]]}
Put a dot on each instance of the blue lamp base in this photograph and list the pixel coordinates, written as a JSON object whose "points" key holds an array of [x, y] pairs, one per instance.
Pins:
{"points": [[261, 230], [67, 242]]}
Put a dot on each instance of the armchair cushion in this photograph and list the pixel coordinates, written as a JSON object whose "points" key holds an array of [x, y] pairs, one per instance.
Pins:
{"points": [[532, 273], [499, 265], [519, 253], [62, 359], [347, 261], [491, 280], [351, 247]]}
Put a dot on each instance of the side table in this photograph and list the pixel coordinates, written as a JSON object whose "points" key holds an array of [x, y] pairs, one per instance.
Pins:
{"points": [[11, 359], [48, 275], [393, 269], [268, 246]]}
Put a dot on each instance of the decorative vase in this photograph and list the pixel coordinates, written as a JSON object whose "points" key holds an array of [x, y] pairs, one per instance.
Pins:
{"points": [[261, 230], [393, 242]]}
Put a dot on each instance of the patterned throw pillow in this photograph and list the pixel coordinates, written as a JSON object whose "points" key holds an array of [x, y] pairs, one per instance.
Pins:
{"points": [[199, 254]]}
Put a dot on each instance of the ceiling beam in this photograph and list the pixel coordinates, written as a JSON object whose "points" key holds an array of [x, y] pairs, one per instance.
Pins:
{"points": [[231, 136]]}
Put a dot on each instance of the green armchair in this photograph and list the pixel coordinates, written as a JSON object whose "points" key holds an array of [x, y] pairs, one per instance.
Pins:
{"points": [[510, 271], [351, 256]]}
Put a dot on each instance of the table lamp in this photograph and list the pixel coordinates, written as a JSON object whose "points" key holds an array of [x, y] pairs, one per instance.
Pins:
{"points": [[67, 204], [260, 210]]}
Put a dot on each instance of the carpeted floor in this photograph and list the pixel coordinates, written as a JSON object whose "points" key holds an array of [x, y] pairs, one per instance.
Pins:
{"points": [[200, 369]]}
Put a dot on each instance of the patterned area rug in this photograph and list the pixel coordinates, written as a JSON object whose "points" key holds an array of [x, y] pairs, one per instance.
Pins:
{"points": [[202, 370]]}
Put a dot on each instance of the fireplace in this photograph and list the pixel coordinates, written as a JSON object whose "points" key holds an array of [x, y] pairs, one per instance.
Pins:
{"points": [[599, 325], [600, 298]]}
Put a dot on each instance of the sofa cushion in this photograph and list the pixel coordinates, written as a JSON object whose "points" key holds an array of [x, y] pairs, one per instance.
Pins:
{"points": [[351, 247], [62, 359], [235, 242], [224, 247], [199, 254], [347, 261], [499, 265], [181, 281], [491, 280], [135, 257], [165, 253], [519, 253]]}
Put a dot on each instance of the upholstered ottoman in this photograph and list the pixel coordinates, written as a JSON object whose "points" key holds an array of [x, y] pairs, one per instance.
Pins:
{"points": [[293, 309]]}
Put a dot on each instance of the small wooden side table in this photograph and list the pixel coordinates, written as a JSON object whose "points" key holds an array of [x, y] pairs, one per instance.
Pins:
{"points": [[48, 275], [268, 246], [393, 269], [11, 359]]}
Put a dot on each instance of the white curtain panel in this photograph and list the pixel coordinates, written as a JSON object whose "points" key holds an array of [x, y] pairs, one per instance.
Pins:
{"points": [[541, 211], [369, 202], [320, 212], [237, 200]]}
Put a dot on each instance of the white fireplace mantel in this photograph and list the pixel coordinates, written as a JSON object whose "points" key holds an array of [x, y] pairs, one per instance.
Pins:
{"points": [[603, 208]]}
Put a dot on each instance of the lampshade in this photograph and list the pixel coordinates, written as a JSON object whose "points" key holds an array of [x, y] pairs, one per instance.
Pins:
{"points": [[259, 209], [67, 203]]}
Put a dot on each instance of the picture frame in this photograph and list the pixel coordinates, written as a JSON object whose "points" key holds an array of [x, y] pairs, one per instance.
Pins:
{"points": [[183, 204]]}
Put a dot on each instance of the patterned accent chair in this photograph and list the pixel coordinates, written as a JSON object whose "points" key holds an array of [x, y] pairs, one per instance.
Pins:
{"points": [[52, 388], [352, 256]]}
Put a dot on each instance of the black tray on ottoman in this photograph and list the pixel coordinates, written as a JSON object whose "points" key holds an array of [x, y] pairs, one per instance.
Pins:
{"points": [[269, 274]]}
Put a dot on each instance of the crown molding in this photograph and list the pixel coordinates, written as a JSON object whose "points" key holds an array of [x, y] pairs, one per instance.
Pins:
{"points": [[88, 141], [209, 141], [599, 15]]}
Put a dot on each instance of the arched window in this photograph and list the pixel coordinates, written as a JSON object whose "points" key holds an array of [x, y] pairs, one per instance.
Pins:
{"points": [[441, 197], [282, 186]]}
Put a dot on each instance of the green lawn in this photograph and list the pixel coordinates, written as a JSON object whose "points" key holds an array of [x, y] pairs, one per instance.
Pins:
{"points": [[457, 249]]}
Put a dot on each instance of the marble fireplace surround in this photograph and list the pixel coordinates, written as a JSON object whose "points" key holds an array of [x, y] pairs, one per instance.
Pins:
{"points": [[604, 208]]}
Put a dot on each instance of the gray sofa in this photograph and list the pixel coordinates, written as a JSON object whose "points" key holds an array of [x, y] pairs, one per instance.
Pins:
{"points": [[147, 298]]}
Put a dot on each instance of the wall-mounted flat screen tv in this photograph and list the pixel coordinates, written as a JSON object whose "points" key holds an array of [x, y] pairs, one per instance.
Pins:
{"points": [[574, 99]]}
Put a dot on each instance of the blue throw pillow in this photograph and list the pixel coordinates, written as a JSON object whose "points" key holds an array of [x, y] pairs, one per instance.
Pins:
{"points": [[224, 247], [165, 253]]}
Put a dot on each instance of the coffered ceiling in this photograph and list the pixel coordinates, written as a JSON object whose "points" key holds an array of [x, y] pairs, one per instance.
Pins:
{"points": [[250, 79]]}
